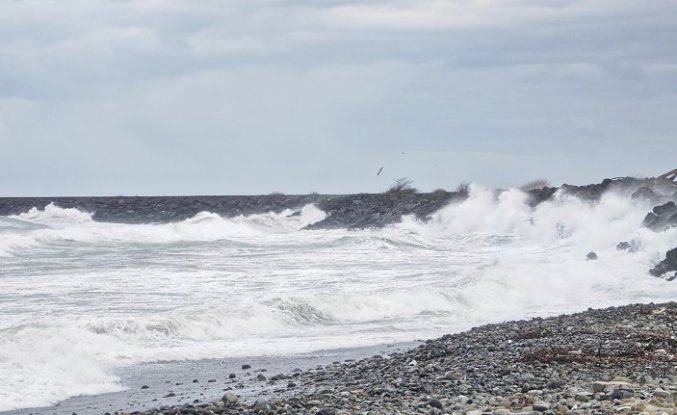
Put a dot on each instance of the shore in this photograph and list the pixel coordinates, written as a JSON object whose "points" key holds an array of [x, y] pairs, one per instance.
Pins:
{"points": [[611, 361], [619, 360], [353, 211]]}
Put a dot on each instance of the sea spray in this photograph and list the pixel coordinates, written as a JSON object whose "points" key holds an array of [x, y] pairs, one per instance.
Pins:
{"points": [[81, 298]]}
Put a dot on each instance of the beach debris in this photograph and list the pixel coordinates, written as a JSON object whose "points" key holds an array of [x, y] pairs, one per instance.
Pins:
{"points": [[671, 175]]}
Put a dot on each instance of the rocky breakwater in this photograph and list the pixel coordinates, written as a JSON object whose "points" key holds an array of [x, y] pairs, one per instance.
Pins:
{"points": [[612, 361], [660, 219], [362, 210]]}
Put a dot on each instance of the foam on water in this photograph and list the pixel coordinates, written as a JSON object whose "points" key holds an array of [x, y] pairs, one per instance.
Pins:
{"points": [[81, 298]]}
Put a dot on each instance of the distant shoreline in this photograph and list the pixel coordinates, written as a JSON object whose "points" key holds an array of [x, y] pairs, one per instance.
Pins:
{"points": [[363, 210]]}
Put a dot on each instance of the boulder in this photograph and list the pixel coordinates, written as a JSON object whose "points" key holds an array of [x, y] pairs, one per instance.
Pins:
{"points": [[662, 217], [667, 268]]}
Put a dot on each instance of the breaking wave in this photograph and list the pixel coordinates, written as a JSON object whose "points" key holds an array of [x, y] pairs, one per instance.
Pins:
{"points": [[82, 298]]}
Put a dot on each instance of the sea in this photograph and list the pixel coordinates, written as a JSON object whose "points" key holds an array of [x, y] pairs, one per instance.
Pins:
{"points": [[81, 299]]}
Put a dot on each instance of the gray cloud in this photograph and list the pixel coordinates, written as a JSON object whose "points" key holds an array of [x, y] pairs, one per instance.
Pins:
{"points": [[127, 97]]}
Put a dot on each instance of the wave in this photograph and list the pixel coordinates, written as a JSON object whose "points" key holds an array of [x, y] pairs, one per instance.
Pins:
{"points": [[54, 225], [210, 287]]}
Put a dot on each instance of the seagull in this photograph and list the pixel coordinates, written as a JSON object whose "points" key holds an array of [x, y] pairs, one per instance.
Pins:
{"points": [[379, 171]]}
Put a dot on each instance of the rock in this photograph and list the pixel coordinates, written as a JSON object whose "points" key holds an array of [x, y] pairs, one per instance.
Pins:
{"points": [[245, 367], [621, 394], [326, 411], [145, 387], [661, 393], [232, 376], [600, 386], [540, 406], [583, 397], [667, 265], [645, 193], [229, 398], [591, 256], [261, 378], [631, 246], [279, 376], [435, 403], [260, 406], [170, 395], [662, 217]]}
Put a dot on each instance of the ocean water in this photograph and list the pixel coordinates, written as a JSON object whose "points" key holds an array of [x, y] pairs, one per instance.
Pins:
{"points": [[79, 298]]}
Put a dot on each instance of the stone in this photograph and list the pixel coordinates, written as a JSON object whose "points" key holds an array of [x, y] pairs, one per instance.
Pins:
{"points": [[229, 398], [260, 406], [232, 376], [583, 397], [540, 406], [667, 265], [591, 256], [435, 403], [245, 367], [261, 378], [600, 386], [661, 393], [621, 394], [628, 246]]}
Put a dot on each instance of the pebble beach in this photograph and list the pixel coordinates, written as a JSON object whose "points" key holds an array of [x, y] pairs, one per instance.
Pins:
{"points": [[619, 360]]}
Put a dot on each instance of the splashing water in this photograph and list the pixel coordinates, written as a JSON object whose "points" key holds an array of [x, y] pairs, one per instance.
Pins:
{"points": [[80, 298]]}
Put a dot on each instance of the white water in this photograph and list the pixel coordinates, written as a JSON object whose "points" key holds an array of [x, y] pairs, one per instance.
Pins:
{"points": [[80, 298]]}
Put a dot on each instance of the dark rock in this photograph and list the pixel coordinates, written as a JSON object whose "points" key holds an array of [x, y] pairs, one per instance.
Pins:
{"points": [[667, 265], [621, 394], [277, 377], [645, 193], [232, 376], [632, 246], [591, 256], [261, 378], [435, 403], [170, 395], [245, 367], [326, 411], [662, 217], [144, 387]]}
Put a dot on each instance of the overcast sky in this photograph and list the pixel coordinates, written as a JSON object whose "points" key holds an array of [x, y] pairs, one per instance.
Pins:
{"points": [[121, 97]]}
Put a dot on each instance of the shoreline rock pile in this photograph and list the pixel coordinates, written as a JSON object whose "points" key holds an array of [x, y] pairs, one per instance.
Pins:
{"points": [[364, 210], [613, 361]]}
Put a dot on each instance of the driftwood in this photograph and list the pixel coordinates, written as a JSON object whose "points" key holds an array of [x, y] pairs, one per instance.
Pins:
{"points": [[671, 175]]}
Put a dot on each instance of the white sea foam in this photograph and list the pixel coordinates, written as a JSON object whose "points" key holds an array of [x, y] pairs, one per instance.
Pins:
{"points": [[81, 298]]}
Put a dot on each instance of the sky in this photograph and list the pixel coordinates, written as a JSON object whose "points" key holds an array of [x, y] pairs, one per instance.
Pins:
{"points": [[171, 97]]}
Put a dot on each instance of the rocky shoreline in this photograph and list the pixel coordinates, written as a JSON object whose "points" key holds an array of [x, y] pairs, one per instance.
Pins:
{"points": [[361, 210], [619, 360], [364, 210]]}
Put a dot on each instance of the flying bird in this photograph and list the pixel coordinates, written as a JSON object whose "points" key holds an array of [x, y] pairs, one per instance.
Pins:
{"points": [[379, 171]]}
